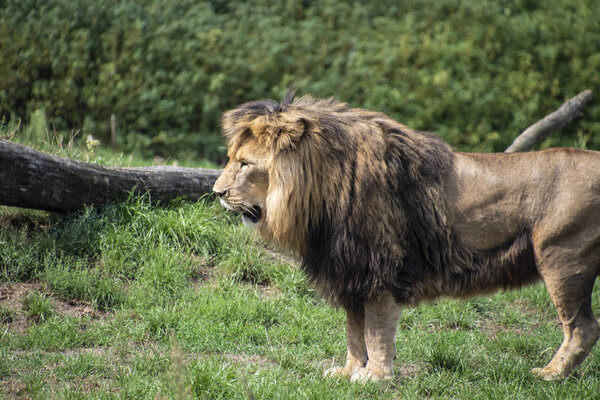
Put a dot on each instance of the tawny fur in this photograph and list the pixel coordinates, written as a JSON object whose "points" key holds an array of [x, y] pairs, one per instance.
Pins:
{"points": [[377, 209]]}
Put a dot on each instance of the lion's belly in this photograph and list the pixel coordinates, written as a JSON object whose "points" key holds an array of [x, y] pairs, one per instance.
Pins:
{"points": [[481, 228]]}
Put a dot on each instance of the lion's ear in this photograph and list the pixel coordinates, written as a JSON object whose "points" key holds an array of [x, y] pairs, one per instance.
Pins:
{"points": [[292, 132], [281, 133]]}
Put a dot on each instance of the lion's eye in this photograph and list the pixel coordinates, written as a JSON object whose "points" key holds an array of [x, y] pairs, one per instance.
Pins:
{"points": [[243, 164]]}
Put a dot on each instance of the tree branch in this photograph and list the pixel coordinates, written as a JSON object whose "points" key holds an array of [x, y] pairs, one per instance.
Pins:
{"points": [[559, 118]]}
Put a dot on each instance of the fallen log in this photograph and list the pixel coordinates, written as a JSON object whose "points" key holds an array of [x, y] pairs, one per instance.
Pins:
{"points": [[32, 179]]}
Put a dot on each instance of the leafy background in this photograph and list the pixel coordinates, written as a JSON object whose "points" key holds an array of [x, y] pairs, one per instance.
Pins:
{"points": [[476, 72]]}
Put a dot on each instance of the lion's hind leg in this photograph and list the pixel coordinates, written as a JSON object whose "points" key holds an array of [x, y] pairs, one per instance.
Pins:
{"points": [[571, 296]]}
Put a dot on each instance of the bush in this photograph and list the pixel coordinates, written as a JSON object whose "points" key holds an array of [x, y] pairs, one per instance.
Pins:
{"points": [[477, 72]]}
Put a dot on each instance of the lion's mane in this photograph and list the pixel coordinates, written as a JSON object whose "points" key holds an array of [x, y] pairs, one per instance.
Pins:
{"points": [[361, 198]]}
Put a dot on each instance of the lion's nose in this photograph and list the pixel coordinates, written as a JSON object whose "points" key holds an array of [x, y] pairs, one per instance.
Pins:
{"points": [[220, 193]]}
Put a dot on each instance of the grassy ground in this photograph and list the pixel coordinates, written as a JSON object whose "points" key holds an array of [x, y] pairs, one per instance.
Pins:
{"points": [[182, 302]]}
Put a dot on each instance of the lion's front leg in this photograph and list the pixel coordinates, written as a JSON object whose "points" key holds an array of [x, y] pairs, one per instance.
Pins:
{"points": [[357, 349], [381, 321]]}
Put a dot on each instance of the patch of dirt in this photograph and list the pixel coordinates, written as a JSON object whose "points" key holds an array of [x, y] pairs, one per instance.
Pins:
{"points": [[492, 329], [76, 308], [203, 270], [93, 384], [407, 371], [12, 295], [13, 389], [269, 291], [97, 351], [18, 221], [295, 261]]}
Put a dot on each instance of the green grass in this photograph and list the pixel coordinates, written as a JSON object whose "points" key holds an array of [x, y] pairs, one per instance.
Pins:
{"points": [[38, 307], [183, 302], [6, 315], [41, 135]]}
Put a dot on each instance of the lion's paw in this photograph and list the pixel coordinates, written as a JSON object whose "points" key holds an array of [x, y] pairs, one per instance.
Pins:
{"points": [[367, 374], [548, 374], [336, 371], [351, 366]]}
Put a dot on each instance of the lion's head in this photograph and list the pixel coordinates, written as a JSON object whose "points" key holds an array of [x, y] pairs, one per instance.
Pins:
{"points": [[281, 166]]}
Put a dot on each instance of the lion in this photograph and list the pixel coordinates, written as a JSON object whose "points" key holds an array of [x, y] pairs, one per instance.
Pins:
{"points": [[384, 217]]}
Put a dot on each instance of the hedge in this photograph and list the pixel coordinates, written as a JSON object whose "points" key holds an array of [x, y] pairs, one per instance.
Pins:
{"points": [[477, 72]]}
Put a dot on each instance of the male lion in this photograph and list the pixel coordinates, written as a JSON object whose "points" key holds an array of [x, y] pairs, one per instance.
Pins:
{"points": [[385, 216]]}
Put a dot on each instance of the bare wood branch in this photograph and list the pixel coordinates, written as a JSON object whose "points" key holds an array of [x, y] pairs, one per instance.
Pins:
{"points": [[559, 118], [32, 179], [113, 132]]}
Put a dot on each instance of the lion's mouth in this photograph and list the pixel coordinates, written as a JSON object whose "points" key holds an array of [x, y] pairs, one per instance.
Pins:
{"points": [[253, 214], [250, 214]]}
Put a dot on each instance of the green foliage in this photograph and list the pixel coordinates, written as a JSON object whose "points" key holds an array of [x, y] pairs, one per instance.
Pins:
{"points": [[38, 307], [476, 72], [444, 356], [160, 321], [6, 315], [102, 292], [249, 265]]}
